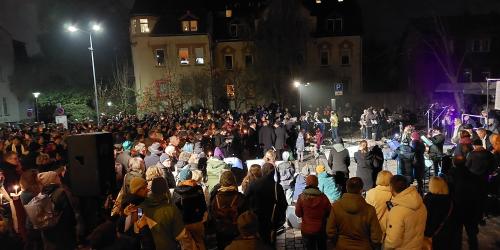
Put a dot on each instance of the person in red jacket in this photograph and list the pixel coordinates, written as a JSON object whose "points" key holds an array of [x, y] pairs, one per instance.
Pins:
{"points": [[313, 207]]}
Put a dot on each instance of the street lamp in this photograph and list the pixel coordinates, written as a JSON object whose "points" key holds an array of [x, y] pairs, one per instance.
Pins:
{"points": [[36, 95], [95, 28], [298, 85], [109, 103]]}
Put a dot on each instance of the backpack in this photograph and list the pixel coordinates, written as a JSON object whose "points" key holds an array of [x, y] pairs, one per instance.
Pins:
{"points": [[226, 215], [191, 205], [41, 211]]}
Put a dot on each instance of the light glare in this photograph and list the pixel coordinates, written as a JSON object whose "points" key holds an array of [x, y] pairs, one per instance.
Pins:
{"points": [[96, 27], [72, 28]]}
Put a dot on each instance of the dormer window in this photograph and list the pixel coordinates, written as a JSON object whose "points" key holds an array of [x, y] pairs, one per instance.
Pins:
{"points": [[334, 25], [233, 30], [143, 22], [189, 26]]}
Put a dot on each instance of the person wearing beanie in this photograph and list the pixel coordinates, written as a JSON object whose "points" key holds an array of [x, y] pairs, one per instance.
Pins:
{"points": [[215, 165], [226, 203], [189, 197], [327, 185], [163, 219], [352, 223], [248, 239], [154, 153], [339, 161], [267, 198], [286, 172], [313, 207], [63, 234]]}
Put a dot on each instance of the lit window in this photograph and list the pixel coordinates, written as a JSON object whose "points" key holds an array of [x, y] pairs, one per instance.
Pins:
{"points": [[318, 1], [184, 56], [191, 25], [334, 25], [133, 26], [228, 62], [144, 25], [324, 57], [230, 90], [345, 57], [229, 13], [5, 109], [233, 30], [200, 59], [160, 57], [248, 60]]}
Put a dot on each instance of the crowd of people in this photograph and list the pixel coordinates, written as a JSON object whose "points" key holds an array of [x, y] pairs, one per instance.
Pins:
{"points": [[225, 180]]}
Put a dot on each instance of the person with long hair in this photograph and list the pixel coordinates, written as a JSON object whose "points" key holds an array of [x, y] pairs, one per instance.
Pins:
{"points": [[253, 174], [364, 170]]}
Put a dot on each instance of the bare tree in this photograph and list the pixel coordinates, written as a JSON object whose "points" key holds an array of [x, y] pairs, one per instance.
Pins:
{"points": [[448, 57]]}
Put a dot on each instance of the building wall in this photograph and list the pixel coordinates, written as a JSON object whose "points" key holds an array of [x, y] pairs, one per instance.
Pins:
{"points": [[9, 104], [147, 71]]}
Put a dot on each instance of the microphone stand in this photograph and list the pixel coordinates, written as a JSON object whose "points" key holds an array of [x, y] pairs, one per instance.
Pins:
{"points": [[428, 113]]}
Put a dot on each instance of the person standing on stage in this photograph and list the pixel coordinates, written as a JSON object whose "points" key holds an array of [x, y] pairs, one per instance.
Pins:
{"points": [[436, 150], [334, 123]]}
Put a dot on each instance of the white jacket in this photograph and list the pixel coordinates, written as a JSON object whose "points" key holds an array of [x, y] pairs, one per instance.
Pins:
{"points": [[377, 197], [406, 221]]}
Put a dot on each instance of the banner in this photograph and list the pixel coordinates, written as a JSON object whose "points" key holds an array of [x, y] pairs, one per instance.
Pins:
{"points": [[62, 119]]}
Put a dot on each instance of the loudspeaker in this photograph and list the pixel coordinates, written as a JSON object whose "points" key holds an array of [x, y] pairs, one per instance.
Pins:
{"points": [[333, 103], [91, 168]]}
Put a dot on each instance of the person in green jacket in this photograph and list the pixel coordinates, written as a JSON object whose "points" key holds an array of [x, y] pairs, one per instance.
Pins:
{"points": [[327, 184], [164, 219], [215, 165]]}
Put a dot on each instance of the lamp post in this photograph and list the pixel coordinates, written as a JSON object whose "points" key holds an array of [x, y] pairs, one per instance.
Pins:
{"points": [[299, 86], [36, 95], [95, 28]]}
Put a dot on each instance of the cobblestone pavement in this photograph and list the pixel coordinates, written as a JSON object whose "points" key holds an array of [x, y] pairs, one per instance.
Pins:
{"points": [[292, 238]]}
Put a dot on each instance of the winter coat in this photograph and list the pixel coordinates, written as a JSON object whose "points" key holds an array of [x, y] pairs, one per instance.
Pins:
{"points": [[263, 195], [438, 211], [313, 207], [339, 159], [404, 156], [252, 243], [405, 223], [151, 160], [419, 160], [63, 235], [436, 150], [378, 197], [480, 162], [327, 185], [267, 137], [300, 143], [364, 170], [286, 172], [281, 137], [214, 168], [123, 159], [353, 224], [168, 221], [190, 200], [300, 185]]}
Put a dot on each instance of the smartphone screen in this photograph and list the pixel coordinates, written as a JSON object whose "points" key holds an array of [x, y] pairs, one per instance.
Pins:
{"points": [[139, 212]]}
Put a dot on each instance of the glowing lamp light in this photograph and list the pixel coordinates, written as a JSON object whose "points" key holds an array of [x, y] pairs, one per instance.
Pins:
{"points": [[96, 27], [296, 84], [72, 28], [109, 104], [36, 94]]}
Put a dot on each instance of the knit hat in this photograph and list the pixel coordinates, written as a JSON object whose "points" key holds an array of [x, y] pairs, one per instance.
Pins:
{"points": [[227, 179], [320, 169], [218, 153], [185, 174], [164, 157], [136, 184], [159, 186], [50, 177], [286, 156], [305, 171], [247, 223], [312, 181], [170, 150], [415, 136], [155, 148]]}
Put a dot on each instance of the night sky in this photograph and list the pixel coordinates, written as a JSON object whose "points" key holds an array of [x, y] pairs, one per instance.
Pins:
{"points": [[384, 21]]}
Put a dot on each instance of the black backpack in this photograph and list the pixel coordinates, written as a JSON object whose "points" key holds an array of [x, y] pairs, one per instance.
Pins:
{"points": [[226, 215], [192, 205]]}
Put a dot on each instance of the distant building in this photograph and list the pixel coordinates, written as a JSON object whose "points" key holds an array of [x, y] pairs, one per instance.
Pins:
{"points": [[9, 104], [210, 47], [453, 54]]}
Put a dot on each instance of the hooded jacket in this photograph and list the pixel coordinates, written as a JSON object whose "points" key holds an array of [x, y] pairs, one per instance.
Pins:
{"points": [[327, 185], [353, 224], [339, 159], [313, 207], [378, 197], [166, 221], [190, 200], [406, 221], [214, 168]]}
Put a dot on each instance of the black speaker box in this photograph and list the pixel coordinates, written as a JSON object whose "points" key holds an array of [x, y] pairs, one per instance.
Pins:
{"points": [[91, 168]]}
